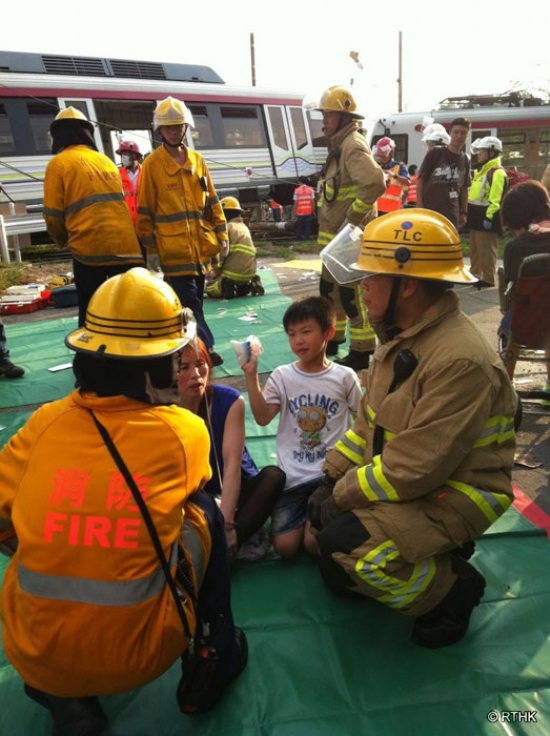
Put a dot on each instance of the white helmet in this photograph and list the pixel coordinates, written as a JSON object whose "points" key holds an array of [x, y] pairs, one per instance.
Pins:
{"points": [[490, 142], [436, 133], [474, 148]]}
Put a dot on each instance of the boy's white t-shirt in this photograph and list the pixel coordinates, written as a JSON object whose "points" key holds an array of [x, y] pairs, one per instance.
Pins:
{"points": [[316, 410]]}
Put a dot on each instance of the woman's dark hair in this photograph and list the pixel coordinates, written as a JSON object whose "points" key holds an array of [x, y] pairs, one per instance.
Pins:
{"points": [[318, 308], [525, 204], [114, 377]]}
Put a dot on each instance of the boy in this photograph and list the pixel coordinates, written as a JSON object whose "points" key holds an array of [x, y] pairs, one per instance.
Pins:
{"points": [[237, 273], [317, 400]]}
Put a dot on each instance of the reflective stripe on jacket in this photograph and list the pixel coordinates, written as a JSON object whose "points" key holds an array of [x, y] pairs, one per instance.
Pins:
{"points": [[392, 199], [85, 606], [130, 190], [448, 429], [304, 198], [179, 213], [351, 183], [482, 192], [240, 262], [84, 208]]}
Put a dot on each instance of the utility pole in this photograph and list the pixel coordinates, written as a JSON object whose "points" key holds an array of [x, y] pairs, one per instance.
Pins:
{"points": [[252, 59], [400, 74]]}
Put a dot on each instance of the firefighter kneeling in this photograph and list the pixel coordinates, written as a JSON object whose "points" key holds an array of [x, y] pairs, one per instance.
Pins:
{"points": [[427, 467], [119, 560], [237, 274]]}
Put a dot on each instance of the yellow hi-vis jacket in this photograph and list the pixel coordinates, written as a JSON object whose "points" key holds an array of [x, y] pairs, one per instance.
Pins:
{"points": [[482, 192], [240, 263], [85, 605], [448, 430], [179, 213], [84, 208], [350, 185]]}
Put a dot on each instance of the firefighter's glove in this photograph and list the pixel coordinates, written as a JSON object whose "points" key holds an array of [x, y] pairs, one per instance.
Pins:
{"points": [[487, 224], [322, 493]]}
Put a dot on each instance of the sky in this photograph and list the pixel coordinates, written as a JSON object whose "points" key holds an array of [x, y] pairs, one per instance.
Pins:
{"points": [[449, 48]]}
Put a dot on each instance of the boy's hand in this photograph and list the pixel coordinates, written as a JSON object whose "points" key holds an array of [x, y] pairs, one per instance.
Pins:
{"points": [[250, 368]]}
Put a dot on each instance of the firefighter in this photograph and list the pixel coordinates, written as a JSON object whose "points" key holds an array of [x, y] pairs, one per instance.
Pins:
{"points": [[130, 172], [427, 467], [397, 176], [180, 218], [84, 207], [350, 183], [86, 609], [237, 273]]}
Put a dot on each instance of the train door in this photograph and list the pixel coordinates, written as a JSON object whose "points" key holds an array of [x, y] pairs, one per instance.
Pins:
{"points": [[85, 106], [307, 160], [284, 159]]}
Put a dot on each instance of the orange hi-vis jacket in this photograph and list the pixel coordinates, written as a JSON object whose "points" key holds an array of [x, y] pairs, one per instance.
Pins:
{"points": [[179, 213], [304, 200], [85, 606], [392, 199], [130, 187], [84, 208]]}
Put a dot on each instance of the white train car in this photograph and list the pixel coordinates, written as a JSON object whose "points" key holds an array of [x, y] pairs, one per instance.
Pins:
{"points": [[523, 129], [256, 142]]}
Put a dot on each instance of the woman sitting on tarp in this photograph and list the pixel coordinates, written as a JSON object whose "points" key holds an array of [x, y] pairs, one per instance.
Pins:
{"points": [[246, 495], [237, 274]]}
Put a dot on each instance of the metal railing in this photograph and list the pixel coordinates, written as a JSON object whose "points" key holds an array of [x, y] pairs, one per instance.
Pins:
{"points": [[12, 226]]}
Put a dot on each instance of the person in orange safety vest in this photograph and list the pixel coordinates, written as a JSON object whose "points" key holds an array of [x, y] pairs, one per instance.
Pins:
{"points": [[304, 207], [130, 173], [397, 176], [99, 597]]}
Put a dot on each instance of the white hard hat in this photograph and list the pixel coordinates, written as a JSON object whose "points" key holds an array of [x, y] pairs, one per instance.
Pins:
{"points": [[474, 148], [436, 133], [490, 142]]}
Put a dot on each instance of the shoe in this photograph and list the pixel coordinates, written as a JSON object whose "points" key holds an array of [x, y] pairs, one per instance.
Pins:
{"points": [[257, 287], [10, 370], [332, 347], [255, 547], [216, 358], [483, 285], [72, 716], [356, 360], [204, 680], [228, 289], [448, 622]]}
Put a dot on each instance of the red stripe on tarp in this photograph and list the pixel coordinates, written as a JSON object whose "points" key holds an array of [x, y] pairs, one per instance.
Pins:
{"points": [[532, 512]]}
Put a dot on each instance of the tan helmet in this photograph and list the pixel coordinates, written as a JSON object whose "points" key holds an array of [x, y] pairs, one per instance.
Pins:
{"points": [[339, 99], [72, 115], [416, 243], [231, 203], [171, 111], [132, 315]]}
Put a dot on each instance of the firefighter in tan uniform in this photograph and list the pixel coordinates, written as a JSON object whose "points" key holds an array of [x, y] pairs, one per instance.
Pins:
{"points": [[237, 274], [427, 467], [86, 608], [351, 182]]}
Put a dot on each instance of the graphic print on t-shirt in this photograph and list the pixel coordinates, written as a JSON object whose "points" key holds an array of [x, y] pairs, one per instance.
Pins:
{"points": [[311, 413]]}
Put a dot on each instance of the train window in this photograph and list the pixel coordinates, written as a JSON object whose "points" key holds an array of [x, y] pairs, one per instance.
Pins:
{"points": [[316, 127], [41, 115], [7, 144], [242, 127], [202, 134], [300, 136], [278, 127], [79, 105], [513, 146]]}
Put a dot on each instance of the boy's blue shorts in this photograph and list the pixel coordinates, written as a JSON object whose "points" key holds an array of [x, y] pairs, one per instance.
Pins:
{"points": [[290, 511]]}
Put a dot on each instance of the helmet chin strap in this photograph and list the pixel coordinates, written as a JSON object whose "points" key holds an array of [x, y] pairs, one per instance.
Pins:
{"points": [[180, 142]]}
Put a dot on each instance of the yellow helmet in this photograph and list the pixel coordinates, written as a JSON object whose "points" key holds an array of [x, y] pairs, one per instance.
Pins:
{"points": [[171, 111], [231, 203], [417, 243], [132, 315], [339, 99], [73, 114]]}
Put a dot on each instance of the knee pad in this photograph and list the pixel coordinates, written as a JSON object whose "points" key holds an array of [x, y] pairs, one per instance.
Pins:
{"points": [[347, 297]]}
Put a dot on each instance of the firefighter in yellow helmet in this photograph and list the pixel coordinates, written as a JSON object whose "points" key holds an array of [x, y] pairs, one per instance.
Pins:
{"points": [[86, 607], [237, 274], [351, 181], [84, 207], [427, 467], [180, 218]]}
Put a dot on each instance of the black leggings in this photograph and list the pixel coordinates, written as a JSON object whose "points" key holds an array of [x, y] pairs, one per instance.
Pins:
{"points": [[256, 500]]}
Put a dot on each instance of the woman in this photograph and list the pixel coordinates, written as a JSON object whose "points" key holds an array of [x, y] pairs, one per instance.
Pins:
{"points": [[247, 495], [526, 214]]}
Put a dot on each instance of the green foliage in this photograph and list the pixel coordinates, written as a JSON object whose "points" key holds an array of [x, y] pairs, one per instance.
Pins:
{"points": [[11, 274]]}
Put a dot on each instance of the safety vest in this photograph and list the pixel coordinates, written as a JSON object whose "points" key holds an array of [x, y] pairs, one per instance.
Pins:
{"points": [[130, 188], [411, 195], [391, 200], [304, 198]]}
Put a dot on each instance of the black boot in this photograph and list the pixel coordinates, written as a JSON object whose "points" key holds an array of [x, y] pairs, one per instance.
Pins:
{"points": [[257, 286], [448, 621], [72, 716], [10, 370], [356, 360]]}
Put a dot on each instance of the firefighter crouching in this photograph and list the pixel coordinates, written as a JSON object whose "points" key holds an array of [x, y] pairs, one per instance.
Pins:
{"points": [[86, 608], [427, 467], [350, 183], [237, 274]]}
